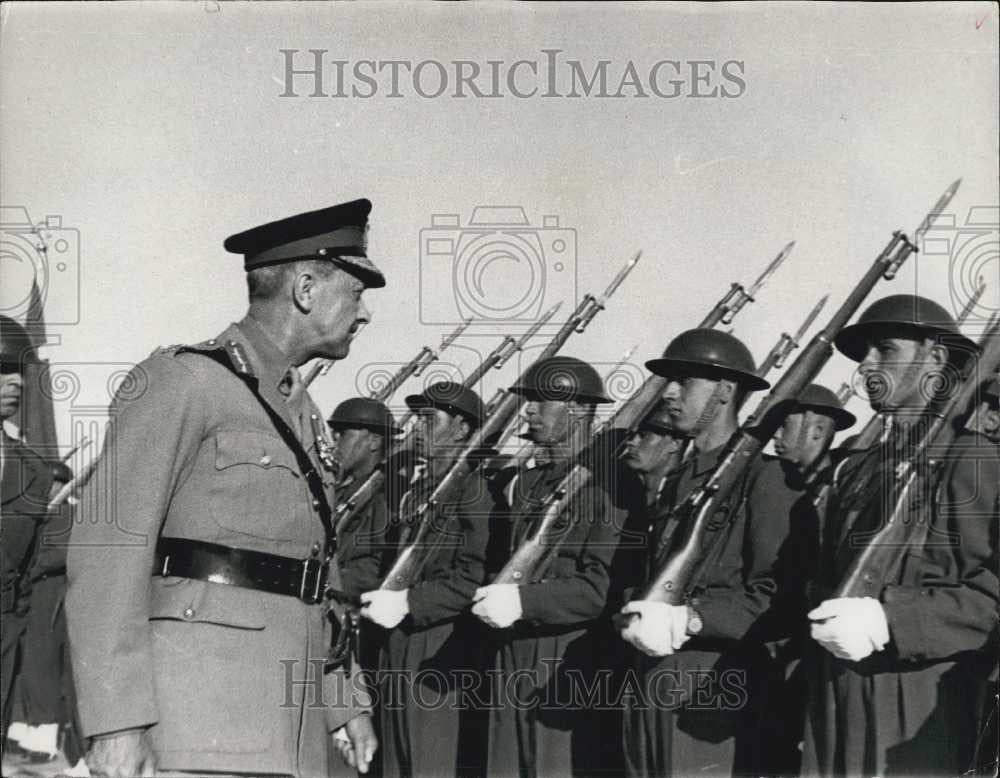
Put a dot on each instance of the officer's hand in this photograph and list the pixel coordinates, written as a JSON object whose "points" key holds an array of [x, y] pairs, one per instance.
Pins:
{"points": [[850, 627], [122, 755], [357, 743], [498, 605], [659, 630], [385, 607]]}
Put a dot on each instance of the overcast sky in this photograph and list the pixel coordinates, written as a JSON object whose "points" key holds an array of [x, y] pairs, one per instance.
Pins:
{"points": [[155, 130]]}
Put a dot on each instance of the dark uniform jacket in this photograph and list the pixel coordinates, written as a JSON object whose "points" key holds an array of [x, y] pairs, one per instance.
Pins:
{"points": [[228, 678], [422, 655], [25, 487], [911, 708], [696, 702], [542, 725]]}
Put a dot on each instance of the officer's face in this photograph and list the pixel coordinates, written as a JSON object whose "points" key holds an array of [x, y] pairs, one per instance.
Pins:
{"points": [[10, 392], [685, 398], [341, 312], [352, 446], [648, 450], [548, 421], [897, 372]]}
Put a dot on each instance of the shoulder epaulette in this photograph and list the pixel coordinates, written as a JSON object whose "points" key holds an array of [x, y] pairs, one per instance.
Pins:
{"points": [[234, 352]]}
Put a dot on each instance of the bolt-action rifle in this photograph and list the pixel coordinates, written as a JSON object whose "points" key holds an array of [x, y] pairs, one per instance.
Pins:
{"points": [[906, 527], [673, 583], [422, 540]]}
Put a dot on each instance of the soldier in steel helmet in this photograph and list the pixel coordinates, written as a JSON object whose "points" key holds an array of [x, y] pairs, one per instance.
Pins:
{"points": [[893, 680], [696, 664], [196, 574], [544, 628], [426, 660], [25, 480], [804, 444], [363, 430]]}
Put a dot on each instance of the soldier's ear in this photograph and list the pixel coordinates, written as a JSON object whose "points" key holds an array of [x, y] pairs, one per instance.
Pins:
{"points": [[726, 391], [937, 354]]}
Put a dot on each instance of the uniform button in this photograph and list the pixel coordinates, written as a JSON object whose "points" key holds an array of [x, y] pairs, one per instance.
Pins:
{"points": [[211, 342], [189, 613], [315, 503], [694, 602], [315, 549], [265, 460]]}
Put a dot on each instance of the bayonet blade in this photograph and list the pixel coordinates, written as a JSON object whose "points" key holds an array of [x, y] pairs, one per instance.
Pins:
{"points": [[769, 270], [973, 301], [936, 210], [811, 318], [448, 340], [618, 279]]}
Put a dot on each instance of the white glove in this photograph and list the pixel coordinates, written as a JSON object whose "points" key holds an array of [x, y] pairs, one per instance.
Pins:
{"points": [[385, 607], [498, 605], [658, 629], [850, 627]]}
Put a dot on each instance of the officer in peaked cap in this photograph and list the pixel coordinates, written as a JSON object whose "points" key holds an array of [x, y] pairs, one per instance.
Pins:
{"points": [[895, 677], [238, 493], [708, 373], [426, 623]]}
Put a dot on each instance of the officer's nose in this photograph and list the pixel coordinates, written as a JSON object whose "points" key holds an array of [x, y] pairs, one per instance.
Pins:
{"points": [[364, 315]]}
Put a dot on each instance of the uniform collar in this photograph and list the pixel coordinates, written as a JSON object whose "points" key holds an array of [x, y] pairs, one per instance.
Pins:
{"points": [[271, 363], [702, 462]]}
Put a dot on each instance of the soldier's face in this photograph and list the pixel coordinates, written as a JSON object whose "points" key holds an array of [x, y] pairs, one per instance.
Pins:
{"points": [[648, 450], [685, 399], [438, 434], [10, 393], [353, 446], [548, 421], [342, 313], [801, 439], [896, 372]]}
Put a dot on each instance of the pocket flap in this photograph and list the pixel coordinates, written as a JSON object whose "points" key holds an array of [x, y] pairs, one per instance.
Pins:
{"points": [[247, 447], [202, 602]]}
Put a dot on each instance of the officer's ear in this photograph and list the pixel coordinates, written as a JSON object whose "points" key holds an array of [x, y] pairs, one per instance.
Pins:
{"points": [[304, 290]]}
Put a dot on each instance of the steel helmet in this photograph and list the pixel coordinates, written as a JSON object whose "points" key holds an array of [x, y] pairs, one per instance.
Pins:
{"points": [[711, 352], [561, 378], [364, 412], [819, 399], [906, 315], [16, 347], [451, 397]]}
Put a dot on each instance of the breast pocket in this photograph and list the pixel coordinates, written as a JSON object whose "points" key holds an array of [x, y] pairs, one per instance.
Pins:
{"points": [[258, 485]]}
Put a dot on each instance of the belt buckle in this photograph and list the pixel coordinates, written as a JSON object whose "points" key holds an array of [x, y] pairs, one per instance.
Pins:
{"points": [[311, 586]]}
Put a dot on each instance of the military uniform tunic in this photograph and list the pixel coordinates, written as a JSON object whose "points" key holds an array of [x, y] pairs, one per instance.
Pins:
{"points": [[549, 660], [422, 710], [911, 709], [694, 713], [227, 678]]}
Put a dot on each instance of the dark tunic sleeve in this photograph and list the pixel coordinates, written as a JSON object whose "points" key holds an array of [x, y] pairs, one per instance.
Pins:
{"points": [[728, 611], [455, 573], [951, 605]]}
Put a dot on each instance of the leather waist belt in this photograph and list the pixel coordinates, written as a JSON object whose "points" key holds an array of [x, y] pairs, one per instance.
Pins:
{"points": [[304, 579]]}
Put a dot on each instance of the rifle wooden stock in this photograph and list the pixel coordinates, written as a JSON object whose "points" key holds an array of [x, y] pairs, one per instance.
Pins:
{"points": [[531, 557], [673, 582], [903, 528], [412, 558]]}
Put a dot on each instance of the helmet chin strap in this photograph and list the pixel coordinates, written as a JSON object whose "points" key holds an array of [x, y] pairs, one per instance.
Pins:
{"points": [[708, 412]]}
